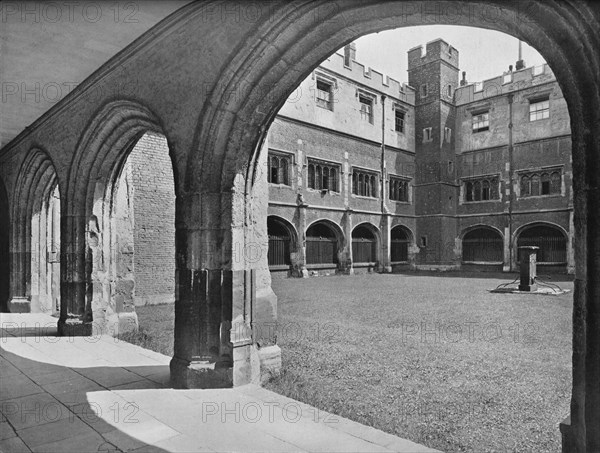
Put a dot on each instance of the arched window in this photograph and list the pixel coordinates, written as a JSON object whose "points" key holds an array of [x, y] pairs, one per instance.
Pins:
{"points": [[278, 169], [545, 187], [535, 185], [482, 245], [485, 190], [469, 191], [477, 191], [525, 189], [311, 176]]}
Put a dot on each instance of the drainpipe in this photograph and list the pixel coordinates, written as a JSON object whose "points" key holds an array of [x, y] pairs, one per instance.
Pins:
{"points": [[383, 206], [510, 178]]}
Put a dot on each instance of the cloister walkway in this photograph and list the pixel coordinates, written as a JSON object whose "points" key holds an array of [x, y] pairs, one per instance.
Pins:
{"points": [[99, 394]]}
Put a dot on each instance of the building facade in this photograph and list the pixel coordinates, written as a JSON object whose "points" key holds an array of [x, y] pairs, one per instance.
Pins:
{"points": [[368, 174]]}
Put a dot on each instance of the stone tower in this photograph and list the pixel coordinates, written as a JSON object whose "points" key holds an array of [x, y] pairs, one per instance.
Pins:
{"points": [[434, 75]]}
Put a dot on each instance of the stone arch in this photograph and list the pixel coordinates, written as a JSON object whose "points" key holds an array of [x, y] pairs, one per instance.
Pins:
{"points": [[36, 182], [400, 244], [338, 243], [272, 58], [482, 243], [97, 294], [285, 247], [4, 249], [374, 245], [553, 248]]}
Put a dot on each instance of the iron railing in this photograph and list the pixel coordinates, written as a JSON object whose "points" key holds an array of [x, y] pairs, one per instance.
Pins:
{"points": [[553, 249], [279, 251], [483, 249]]}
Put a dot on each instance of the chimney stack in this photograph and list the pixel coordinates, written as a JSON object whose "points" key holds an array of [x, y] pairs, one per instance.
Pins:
{"points": [[349, 53], [520, 63], [510, 68], [463, 82]]}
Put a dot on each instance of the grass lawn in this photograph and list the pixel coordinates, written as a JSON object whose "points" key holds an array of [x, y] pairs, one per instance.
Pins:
{"points": [[434, 359]]}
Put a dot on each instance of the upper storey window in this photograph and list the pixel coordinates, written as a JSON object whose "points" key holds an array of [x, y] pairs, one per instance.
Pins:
{"points": [[366, 108], [364, 183], [539, 109], [323, 175], [324, 94], [481, 121], [279, 168], [399, 116]]}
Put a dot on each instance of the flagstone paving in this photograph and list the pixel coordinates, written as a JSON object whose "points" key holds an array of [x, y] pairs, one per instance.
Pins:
{"points": [[99, 394]]}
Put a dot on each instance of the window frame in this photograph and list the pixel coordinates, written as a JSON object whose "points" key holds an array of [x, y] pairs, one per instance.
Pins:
{"points": [[318, 178], [539, 112], [366, 114], [482, 188], [326, 104], [360, 187], [404, 187], [402, 120], [284, 172], [477, 118], [533, 183]]}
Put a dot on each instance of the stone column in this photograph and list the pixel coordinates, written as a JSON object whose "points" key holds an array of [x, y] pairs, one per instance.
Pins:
{"points": [[506, 261], [386, 248], [345, 257], [75, 268], [299, 266]]}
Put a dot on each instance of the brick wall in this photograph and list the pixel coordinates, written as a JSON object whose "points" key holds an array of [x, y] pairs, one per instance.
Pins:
{"points": [[154, 214]]}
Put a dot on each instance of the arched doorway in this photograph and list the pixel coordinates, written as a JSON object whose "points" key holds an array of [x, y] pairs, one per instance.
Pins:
{"points": [[551, 241], [364, 245], [35, 248], [279, 243], [400, 242], [482, 245], [321, 244]]}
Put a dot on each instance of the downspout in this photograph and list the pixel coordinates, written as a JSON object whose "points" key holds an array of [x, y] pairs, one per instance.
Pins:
{"points": [[383, 206], [510, 179]]}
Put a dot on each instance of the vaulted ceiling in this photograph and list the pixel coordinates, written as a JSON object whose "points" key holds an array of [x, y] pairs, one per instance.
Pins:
{"points": [[48, 48]]}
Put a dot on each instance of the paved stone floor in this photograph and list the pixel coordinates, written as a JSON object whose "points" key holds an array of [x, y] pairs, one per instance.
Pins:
{"points": [[98, 394]]}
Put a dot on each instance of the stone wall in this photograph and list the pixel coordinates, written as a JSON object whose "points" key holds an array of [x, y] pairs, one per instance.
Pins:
{"points": [[154, 220]]}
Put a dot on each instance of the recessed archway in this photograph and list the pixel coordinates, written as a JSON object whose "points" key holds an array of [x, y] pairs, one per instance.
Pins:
{"points": [[4, 248], [562, 33]]}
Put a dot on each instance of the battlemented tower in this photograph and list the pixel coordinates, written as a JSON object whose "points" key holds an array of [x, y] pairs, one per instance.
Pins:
{"points": [[434, 75]]}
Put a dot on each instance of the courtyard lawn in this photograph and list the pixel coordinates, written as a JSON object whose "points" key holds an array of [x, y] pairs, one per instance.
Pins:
{"points": [[434, 359]]}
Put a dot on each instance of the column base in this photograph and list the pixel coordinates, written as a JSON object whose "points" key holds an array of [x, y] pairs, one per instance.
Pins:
{"points": [[270, 363], [74, 327], [566, 435], [19, 305], [200, 374]]}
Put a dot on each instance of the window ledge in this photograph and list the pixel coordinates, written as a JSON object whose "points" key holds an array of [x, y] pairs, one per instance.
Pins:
{"points": [[280, 185], [279, 267], [408, 203], [529, 197], [324, 108], [329, 192], [484, 263], [364, 197], [398, 262], [482, 201]]}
